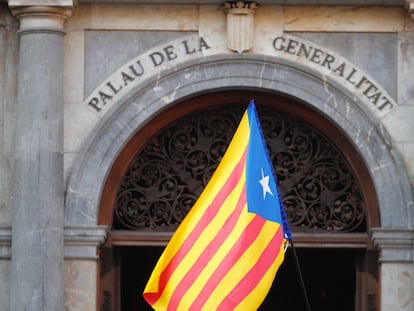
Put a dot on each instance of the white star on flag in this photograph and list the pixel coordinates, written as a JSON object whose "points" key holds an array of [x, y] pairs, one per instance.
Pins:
{"points": [[265, 185]]}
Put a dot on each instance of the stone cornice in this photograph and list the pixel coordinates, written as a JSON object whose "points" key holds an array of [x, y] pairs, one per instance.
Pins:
{"points": [[262, 2], [396, 245], [82, 242], [79, 242]]}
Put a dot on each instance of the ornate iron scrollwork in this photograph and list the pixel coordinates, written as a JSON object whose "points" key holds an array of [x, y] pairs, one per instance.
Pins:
{"points": [[166, 177]]}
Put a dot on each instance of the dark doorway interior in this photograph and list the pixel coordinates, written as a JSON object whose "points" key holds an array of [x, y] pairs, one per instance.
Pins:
{"points": [[329, 276]]}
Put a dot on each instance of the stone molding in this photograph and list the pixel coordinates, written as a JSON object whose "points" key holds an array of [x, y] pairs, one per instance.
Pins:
{"points": [[395, 245], [82, 242], [5, 242], [41, 18], [262, 2]]}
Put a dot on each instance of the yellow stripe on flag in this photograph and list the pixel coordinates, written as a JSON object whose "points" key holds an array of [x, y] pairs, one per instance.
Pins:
{"points": [[242, 266], [222, 251], [208, 234], [260, 292]]}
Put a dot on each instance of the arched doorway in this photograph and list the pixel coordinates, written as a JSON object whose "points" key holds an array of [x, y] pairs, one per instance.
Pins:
{"points": [[342, 248]]}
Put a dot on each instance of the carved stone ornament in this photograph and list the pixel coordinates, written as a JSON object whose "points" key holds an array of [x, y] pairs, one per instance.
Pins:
{"points": [[240, 25]]}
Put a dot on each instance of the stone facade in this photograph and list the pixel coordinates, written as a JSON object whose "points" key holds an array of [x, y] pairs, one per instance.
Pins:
{"points": [[79, 78]]}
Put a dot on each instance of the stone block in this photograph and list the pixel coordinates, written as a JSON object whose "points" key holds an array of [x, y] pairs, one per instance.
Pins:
{"points": [[144, 17], [374, 53], [344, 18], [269, 23], [106, 51], [399, 123], [397, 287], [406, 68], [212, 27], [80, 285], [5, 281]]}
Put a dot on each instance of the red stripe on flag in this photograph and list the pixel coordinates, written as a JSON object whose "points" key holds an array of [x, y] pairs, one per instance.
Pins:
{"points": [[208, 253], [206, 218], [247, 237], [254, 276]]}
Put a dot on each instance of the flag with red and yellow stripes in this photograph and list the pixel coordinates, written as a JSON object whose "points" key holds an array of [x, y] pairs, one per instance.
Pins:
{"points": [[227, 250]]}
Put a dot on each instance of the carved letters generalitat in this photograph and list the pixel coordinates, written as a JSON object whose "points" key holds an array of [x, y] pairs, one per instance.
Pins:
{"points": [[337, 67]]}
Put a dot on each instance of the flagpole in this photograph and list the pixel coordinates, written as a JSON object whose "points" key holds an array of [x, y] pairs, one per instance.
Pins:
{"points": [[302, 283]]}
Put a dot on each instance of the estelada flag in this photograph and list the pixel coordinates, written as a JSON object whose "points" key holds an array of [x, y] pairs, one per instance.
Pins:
{"points": [[225, 253]]}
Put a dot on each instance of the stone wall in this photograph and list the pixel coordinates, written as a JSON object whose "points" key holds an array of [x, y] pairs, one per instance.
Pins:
{"points": [[359, 74]]}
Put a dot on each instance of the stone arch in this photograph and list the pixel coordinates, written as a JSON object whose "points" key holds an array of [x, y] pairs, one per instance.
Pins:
{"points": [[221, 72]]}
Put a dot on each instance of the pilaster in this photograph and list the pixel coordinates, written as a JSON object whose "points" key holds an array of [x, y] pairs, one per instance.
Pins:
{"points": [[396, 265], [38, 196]]}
